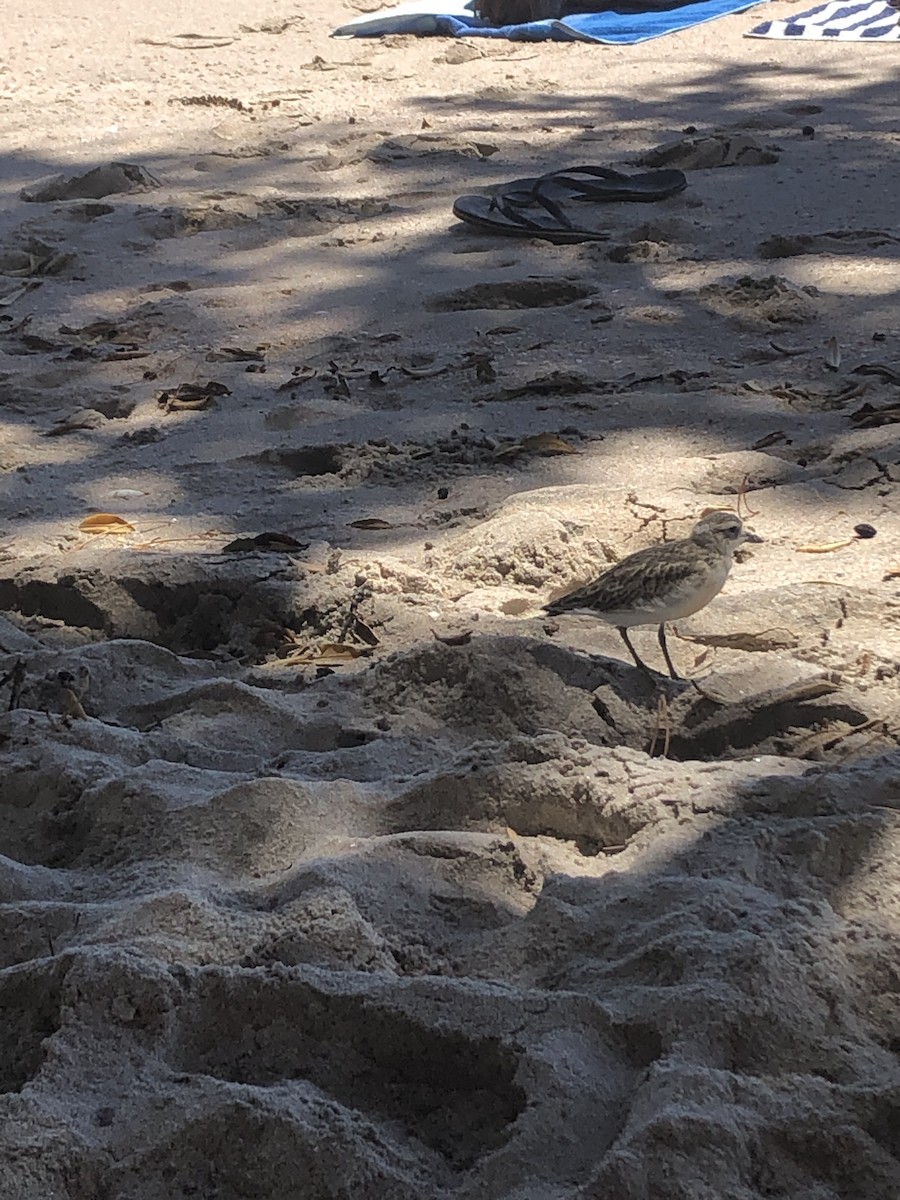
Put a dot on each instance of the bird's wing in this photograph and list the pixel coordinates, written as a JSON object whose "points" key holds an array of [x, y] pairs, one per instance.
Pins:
{"points": [[634, 578]]}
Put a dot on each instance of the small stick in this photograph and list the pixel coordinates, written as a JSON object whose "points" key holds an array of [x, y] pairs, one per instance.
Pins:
{"points": [[742, 499], [16, 679], [663, 726]]}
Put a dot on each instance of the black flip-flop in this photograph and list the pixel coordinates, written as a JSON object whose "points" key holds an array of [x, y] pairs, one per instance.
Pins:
{"points": [[534, 216], [533, 207], [603, 184]]}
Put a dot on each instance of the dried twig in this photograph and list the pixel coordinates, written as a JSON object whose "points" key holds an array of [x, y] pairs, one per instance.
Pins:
{"points": [[663, 727], [742, 500], [15, 677], [351, 616]]}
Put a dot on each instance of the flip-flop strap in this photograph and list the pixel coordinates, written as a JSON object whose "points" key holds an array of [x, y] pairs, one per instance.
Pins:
{"points": [[606, 173], [534, 190], [511, 205], [597, 172], [649, 185], [584, 189]]}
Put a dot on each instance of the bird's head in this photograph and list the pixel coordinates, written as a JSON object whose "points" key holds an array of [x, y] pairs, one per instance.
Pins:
{"points": [[722, 531]]}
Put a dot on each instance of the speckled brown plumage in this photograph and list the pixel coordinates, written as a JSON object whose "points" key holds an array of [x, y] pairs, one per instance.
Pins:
{"points": [[662, 583]]}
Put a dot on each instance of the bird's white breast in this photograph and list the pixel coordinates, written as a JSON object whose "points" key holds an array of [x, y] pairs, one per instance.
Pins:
{"points": [[682, 601]]}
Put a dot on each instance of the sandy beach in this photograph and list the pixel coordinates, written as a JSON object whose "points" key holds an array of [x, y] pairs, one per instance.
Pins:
{"points": [[330, 867]]}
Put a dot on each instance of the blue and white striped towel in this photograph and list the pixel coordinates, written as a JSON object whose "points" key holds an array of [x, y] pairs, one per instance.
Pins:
{"points": [[869, 21]]}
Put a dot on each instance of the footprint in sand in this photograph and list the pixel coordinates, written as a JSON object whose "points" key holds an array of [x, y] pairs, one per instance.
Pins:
{"points": [[770, 300], [834, 241], [517, 293]]}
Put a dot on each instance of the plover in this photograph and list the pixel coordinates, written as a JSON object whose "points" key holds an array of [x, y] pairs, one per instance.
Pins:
{"points": [[662, 583]]}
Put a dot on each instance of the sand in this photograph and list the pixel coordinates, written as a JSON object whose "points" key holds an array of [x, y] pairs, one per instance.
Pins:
{"points": [[332, 870]]}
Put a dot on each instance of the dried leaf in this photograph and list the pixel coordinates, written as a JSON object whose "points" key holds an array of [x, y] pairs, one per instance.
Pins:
{"points": [[453, 639], [821, 399], [274, 542], [556, 383], [337, 382], [84, 418], [329, 654], [123, 354], [19, 292], [502, 330], [299, 375], [195, 404], [212, 101], [788, 351], [189, 41], [765, 639], [37, 344], [364, 633], [97, 331], [888, 374], [191, 396], [35, 258], [341, 650], [236, 354], [105, 523], [870, 417], [370, 523], [538, 443], [825, 547], [770, 439], [279, 541], [425, 372]]}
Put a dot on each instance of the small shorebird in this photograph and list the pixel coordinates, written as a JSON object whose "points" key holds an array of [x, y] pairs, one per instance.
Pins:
{"points": [[662, 583]]}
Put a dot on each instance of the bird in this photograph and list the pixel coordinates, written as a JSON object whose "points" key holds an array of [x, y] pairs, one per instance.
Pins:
{"points": [[661, 583]]}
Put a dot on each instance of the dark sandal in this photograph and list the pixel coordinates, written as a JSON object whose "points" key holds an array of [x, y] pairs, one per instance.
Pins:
{"points": [[523, 215], [603, 184], [534, 207]]}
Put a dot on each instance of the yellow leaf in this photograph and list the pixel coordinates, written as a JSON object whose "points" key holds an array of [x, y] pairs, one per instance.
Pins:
{"points": [[105, 523], [547, 443], [329, 654], [825, 547], [342, 650], [538, 443]]}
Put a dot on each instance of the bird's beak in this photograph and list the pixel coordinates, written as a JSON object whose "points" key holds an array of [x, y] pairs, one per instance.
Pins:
{"points": [[750, 536]]}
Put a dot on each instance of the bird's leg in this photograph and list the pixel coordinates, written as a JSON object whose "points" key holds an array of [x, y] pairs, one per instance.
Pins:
{"points": [[634, 654], [665, 650]]}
